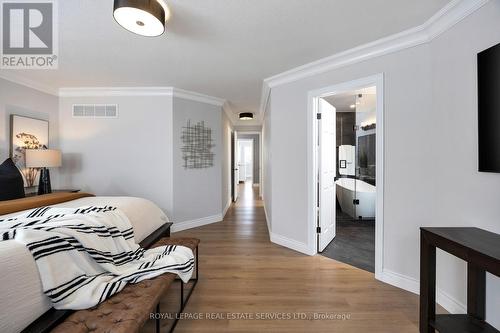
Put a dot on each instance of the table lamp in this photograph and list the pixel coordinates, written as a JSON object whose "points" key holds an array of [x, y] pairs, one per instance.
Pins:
{"points": [[43, 159]]}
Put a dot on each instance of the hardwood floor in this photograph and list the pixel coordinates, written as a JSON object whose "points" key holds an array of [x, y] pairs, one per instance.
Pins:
{"points": [[241, 271]]}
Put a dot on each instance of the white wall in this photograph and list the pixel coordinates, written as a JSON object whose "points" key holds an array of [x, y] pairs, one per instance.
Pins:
{"points": [[247, 128], [197, 192], [266, 182], [130, 155], [465, 197], [20, 100], [430, 174], [139, 153]]}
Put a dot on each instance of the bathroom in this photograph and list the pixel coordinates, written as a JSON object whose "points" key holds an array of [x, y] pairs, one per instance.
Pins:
{"points": [[356, 132]]}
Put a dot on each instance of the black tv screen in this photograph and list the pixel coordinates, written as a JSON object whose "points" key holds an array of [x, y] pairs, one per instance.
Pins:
{"points": [[488, 69]]}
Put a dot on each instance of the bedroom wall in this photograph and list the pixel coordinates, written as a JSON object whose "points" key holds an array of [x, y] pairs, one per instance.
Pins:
{"points": [[465, 197], [197, 192], [21, 100], [130, 155], [431, 173]]}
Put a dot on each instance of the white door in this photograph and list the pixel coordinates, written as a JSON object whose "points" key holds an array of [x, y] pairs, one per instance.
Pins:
{"points": [[326, 173]]}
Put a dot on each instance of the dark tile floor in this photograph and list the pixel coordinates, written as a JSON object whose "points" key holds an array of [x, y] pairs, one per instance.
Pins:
{"points": [[354, 243]]}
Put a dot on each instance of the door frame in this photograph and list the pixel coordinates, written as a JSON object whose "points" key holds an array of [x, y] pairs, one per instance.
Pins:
{"points": [[233, 166], [251, 142], [260, 156], [234, 169], [312, 160]]}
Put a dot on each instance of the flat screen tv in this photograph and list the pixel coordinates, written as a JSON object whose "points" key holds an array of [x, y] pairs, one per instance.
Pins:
{"points": [[488, 69]]}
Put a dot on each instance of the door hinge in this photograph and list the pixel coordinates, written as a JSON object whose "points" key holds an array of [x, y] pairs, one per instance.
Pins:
{"points": [[318, 230], [355, 202], [318, 116]]}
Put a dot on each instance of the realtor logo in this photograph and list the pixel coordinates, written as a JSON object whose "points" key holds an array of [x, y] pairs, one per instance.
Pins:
{"points": [[29, 34]]}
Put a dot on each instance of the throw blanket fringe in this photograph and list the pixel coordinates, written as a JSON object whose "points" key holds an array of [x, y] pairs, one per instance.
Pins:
{"points": [[88, 254]]}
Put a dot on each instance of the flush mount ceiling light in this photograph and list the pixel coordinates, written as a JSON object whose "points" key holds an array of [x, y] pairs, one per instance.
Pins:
{"points": [[246, 116], [142, 17]]}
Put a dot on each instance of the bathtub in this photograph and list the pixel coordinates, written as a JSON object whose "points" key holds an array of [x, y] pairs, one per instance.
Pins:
{"points": [[365, 193]]}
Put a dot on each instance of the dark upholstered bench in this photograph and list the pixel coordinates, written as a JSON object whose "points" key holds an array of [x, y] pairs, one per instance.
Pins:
{"points": [[128, 310]]}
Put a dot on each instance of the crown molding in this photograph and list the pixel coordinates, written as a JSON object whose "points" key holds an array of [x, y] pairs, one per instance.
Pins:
{"points": [[11, 77], [264, 100], [447, 17], [229, 113], [194, 96], [115, 91], [140, 91]]}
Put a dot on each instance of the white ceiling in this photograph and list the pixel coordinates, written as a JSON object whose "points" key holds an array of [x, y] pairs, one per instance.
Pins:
{"points": [[343, 101], [222, 48]]}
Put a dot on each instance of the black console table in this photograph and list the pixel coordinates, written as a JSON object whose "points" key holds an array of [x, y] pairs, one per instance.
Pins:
{"points": [[481, 250]]}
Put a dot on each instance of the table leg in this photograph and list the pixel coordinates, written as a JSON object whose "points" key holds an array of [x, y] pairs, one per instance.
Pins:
{"points": [[157, 322], [427, 284], [476, 291]]}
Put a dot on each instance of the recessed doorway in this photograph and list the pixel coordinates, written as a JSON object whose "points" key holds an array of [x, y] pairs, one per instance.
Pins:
{"points": [[246, 161], [355, 178], [347, 172]]}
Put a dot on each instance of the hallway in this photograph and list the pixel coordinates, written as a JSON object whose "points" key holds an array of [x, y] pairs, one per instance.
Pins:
{"points": [[245, 275]]}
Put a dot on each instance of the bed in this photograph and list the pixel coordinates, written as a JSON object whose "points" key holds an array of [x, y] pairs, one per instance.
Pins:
{"points": [[22, 300]]}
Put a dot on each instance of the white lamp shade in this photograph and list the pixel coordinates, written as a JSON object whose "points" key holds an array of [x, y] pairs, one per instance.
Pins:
{"points": [[43, 158]]}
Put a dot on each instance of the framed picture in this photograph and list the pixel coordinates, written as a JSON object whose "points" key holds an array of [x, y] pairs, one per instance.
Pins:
{"points": [[27, 133]]}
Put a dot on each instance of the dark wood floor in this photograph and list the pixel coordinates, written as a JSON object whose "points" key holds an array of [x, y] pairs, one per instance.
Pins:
{"points": [[354, 243]]}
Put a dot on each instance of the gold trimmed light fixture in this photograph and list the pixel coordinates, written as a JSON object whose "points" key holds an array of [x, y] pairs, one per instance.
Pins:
{"points": [[142, 17], [246, 116]]}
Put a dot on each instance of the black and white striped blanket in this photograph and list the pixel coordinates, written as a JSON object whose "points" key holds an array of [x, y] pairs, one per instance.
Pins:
{"points": [[85, 255]]}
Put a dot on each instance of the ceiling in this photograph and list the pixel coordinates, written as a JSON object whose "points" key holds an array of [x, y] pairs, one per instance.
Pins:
{"points": [[222, 48], [343, 101]]}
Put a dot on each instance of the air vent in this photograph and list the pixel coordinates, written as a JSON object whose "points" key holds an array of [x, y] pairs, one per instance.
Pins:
{"points": [[95, 110]]}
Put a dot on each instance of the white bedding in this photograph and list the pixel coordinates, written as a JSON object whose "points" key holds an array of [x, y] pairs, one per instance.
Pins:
{"points": [[21, 298]]}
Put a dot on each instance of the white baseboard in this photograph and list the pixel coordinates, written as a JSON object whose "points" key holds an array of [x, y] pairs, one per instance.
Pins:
{"points": [[412, 285], [398, 280], [267, 220], [449, 303], [179, 226], [291, 244], [228, 204]]}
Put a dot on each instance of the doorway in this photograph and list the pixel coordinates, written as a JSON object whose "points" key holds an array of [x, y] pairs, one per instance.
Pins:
{"points": [[347, 172], [245, 161]]}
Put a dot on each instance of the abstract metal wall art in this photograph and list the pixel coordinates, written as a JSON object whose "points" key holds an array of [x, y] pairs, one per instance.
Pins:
{"points": [[197, 146]]}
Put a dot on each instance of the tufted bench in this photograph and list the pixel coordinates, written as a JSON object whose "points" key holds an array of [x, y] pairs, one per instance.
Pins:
{"points": [[128, 310]]}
